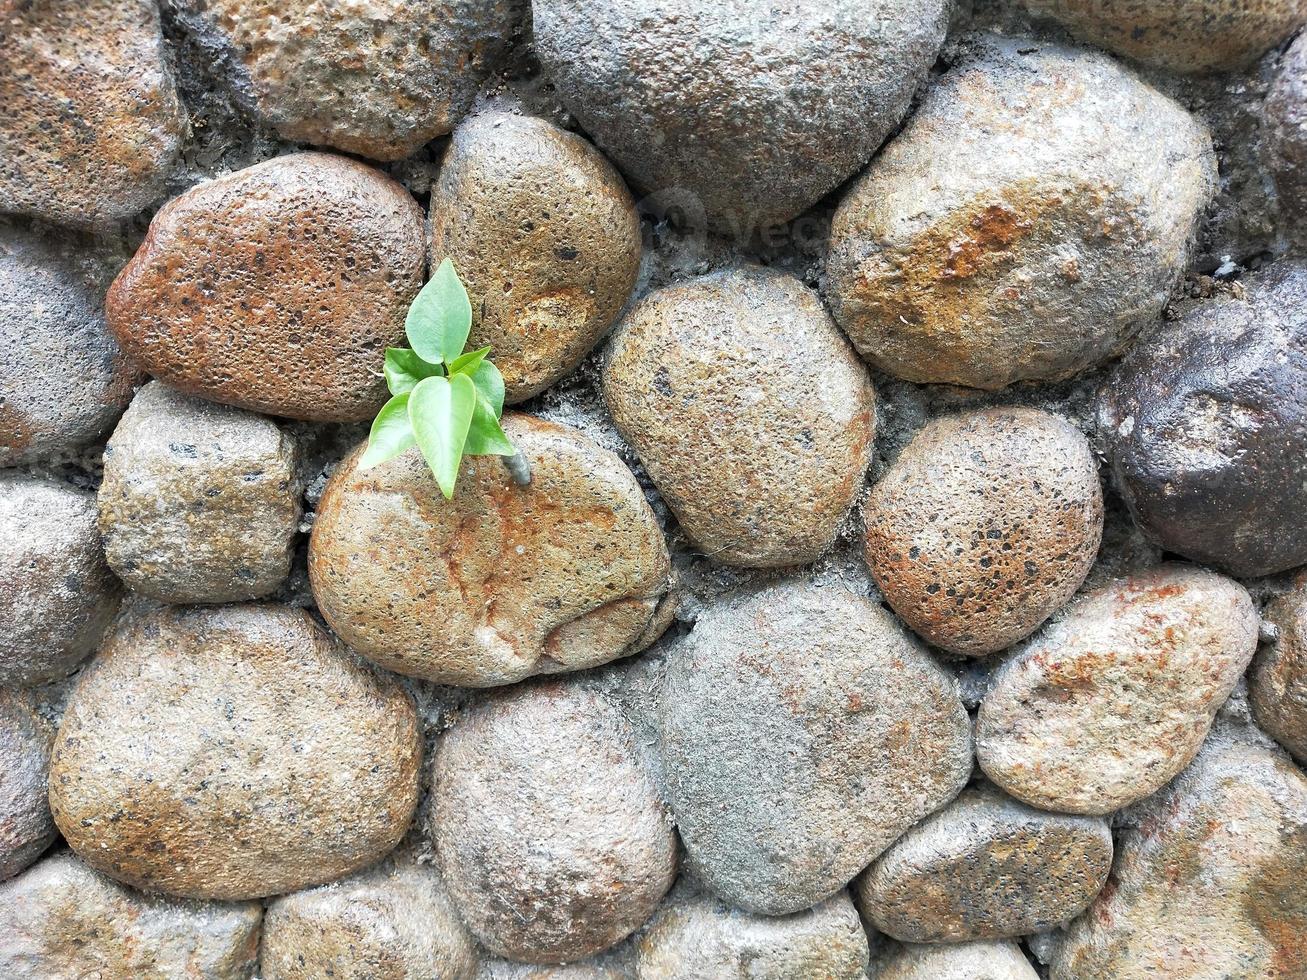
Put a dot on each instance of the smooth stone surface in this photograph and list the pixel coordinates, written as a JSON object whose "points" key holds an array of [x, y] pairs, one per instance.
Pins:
{"points": [[750, 117], [26, 827], [59, 595], [1286, 118], [802, 731], [1113, 698], [956, 961], [92, 123], [1205, 426], [62, 921], [1034, 213], [276, 288], [232, 753], [378, 79], [502, 582], [986, 867], [546, 238], [1277, 684], [986, 525], [200, 502], [548, 827], [748, 410]]}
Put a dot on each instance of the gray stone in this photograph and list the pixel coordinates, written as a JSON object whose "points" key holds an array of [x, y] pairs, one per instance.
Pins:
{"points": [[1277, 684], [960, 961], [603, 967], [1286, 119], [26, 827]]}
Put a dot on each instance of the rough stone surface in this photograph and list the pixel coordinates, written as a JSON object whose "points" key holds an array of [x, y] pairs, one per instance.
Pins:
{"points": [[392, 922], [1205, 425], [802, 731], [232, 753], [1210, 884], [378, 79], [1278, 682], [598, 968], [752, 115], [276, 288], [62, 921], [59, 595], [92, 123], [502, 582], [556, 767], [63, 379], [1035, 212], [26, 827], [1114, 697], [986, 867], [748, 410], [1286, 119], [544, 235], [986, 525], [961, 961]]}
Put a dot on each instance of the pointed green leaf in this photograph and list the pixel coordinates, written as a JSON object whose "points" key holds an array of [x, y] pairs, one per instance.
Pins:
{"points": [[404, 369], [485, 437], [440, 318], [490, 386], [440, 410], [469, 362], [391, 433]]}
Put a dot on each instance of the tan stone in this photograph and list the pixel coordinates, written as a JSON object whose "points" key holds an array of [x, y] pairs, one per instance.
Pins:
{"points": [[956, 961], [1278, 681], [26, 827]]}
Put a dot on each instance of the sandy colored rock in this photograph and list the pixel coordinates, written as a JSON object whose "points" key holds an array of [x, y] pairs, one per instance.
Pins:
{"points": [[548, 828], [1277, 685], [59, 595], [26, 828], [1286, 117], [276, 288], [956, 961], [748, 410], [986, 524], [802, 731], [1034, 213], [544, 235], [92, 123], [502, 582], [749, 118], [1113, 698], [378, 79], [232, 753], [1210, 883]]}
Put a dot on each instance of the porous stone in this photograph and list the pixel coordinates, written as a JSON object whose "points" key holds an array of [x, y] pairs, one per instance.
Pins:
{"points": [[753, 115], [232, 753], [1209, 882], [544, 235], [986, 867], [92, 123], [1286, 120], [986, 524], [378, 79], [59, 595], [960, 961], [503, 581], [62, 921], [748, 410], [26, 828], [1205, 426], [200, 502], [63, 379], [548, 828], [802, 731], [1277, 685], [1114, 697], [276, 288], [1034, 213]]}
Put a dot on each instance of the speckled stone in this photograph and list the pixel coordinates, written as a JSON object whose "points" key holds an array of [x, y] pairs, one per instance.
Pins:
{"points": [[1286, 118], [26, 828], [748, 410], [232, 753], [1034, 213], [1277, 685], [955, 961], [986, 524], [1114, 697], [276, 288], [606, 966], [544, 235]]}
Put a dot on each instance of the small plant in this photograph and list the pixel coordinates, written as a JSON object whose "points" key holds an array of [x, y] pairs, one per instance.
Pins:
{"points": [[446, 401]]}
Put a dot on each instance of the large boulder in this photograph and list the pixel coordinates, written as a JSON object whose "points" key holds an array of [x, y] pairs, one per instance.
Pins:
{"points": [[1277, 684], [26, 827]]}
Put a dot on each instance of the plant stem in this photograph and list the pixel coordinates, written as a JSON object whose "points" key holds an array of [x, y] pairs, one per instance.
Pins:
{"points": [[519, 468]]}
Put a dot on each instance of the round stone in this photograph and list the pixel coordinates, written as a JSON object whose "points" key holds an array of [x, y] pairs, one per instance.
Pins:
{"points": [[1205, 426], [802, 731], [986, 524], [232, 753], [1115, 696], [544, 235], [986, 867], [1286, 119], [547, 824], [276, 288], [1278, 682], [59, 594], [748, 410], [1034, 213], [26, 827], [956, 961], [608, 966], [752, 115], [503, 581]]}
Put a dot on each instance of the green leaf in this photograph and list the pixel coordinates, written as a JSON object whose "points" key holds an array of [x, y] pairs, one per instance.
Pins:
{"points": [[440, 410], [485, 437], [440, 318], [391, 433], [490, 386], [469, 362], [404, 369]]}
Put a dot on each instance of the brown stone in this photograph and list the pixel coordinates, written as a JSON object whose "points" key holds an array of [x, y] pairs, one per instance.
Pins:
{"points": [[544, 235], [955, 961], [276, 288], [1278, 681], [26, 827]]}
